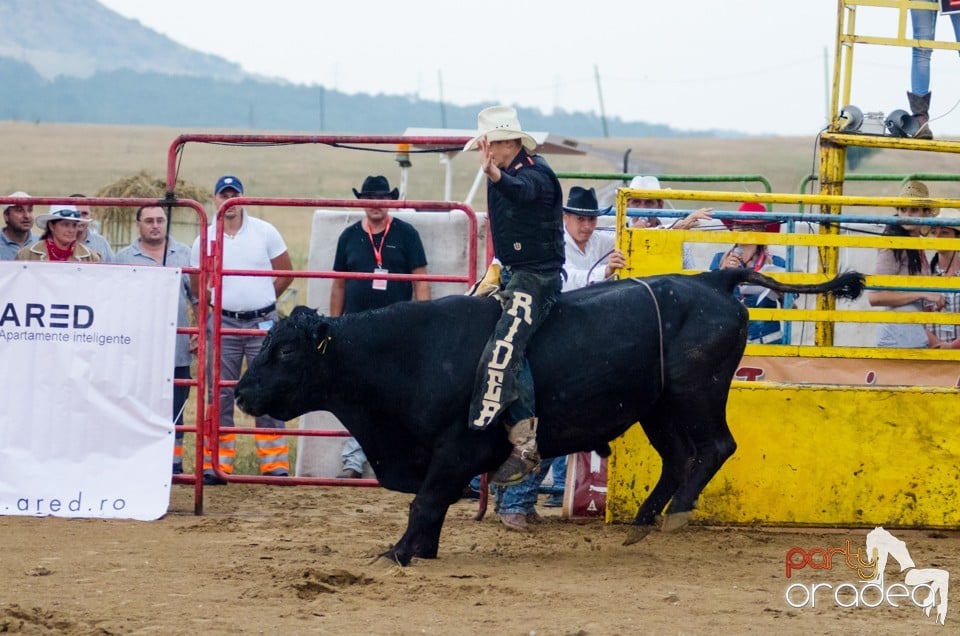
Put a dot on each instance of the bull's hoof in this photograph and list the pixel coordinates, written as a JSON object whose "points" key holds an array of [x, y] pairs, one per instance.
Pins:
{"points": [[675, 521], [393, 557], [637, 533]]}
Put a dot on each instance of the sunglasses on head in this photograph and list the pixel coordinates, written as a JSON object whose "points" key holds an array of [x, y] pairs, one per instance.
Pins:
{"points": [[68, 214]]}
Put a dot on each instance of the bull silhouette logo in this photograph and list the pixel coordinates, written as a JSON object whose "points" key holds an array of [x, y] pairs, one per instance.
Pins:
{"points": [[882, 545]]}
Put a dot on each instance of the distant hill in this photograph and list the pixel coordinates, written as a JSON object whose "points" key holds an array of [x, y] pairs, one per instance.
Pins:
{"points": [[79, 38], [77, 61]]}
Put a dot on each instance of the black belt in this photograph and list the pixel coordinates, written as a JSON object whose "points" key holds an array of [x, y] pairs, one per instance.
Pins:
{"points": [[249, 315]]}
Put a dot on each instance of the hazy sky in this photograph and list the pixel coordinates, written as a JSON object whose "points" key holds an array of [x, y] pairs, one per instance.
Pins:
{"points": [[757, 66]]}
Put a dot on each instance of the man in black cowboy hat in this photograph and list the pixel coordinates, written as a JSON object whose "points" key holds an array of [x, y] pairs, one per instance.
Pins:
{"points": [[525, 207], [382, 244], [591, 256]]}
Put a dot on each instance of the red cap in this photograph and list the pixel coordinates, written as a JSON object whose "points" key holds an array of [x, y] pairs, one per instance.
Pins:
{"points": [[751, 206]]}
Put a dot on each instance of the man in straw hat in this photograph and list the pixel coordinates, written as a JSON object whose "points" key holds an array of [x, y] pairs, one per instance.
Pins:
{"points": [[906, 262], [525, 207]]}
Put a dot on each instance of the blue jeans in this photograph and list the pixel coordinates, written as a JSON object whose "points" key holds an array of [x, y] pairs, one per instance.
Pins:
{"points": [[522, 498], [559, 474], [925, 28], [353, 456]]}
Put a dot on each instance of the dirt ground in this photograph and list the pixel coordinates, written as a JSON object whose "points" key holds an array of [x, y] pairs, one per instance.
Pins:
{"points": [[300, 560]]}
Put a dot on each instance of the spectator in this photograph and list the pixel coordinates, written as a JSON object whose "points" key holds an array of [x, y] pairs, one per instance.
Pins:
{"points": [[586, 249], [525, 208], [382, 244], [690, 221], [906, 262], [87, 234], [652, 183], [924, 23], [16, 233], [249, 302], [590, 257], [945, 263], [758, 258], [154, 248], [58, 242]]}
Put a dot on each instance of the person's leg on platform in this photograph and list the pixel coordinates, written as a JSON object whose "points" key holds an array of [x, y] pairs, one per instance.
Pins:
{"points": [[180, 395], [353, 460], [559, 466]]}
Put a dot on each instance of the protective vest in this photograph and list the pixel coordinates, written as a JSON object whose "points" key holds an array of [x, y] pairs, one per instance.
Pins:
{"points": [[526, 215]]}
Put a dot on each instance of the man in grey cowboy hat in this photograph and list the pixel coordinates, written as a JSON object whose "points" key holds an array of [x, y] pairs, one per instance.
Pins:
{"points": [[525, 207]]}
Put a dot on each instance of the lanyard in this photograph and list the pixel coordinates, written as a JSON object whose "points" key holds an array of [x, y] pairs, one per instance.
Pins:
{"points": [[378, 251]]}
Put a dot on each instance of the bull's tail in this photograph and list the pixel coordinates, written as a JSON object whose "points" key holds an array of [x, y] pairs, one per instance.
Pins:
{"points": [[847, 285]]}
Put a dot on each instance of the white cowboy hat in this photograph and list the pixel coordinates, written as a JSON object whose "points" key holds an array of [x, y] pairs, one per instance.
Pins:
{"points": [[58, 212], [645, 183], [500, 123], [950, 213]]}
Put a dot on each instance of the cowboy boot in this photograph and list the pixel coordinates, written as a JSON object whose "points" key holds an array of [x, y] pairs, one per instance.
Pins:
{"points": [[524, 458], [920, 107]]}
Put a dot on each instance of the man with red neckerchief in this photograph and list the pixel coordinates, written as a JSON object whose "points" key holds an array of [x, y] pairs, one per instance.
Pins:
{"points": [[377, 243]]}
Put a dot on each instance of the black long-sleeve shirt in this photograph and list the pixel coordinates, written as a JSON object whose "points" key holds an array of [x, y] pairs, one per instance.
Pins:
{"points": [[526, 215]]}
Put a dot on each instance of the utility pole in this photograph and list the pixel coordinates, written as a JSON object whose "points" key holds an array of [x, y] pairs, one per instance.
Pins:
{"points": [[323, 96], [443, 108], [603, 115], [826, 87]]}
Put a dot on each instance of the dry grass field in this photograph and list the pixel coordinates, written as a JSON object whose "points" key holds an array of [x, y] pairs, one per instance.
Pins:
{"points": [[59, 159]]}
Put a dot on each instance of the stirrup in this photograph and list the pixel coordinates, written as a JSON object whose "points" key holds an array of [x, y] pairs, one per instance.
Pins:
{"points": [[519, 464]]}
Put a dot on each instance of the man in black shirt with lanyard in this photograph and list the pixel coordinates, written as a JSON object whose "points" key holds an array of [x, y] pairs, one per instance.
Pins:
{"points": [[525, 208], [383, 244]]}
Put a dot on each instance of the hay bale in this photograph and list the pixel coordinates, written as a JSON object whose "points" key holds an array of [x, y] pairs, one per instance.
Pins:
{"points": [[117, 223]]}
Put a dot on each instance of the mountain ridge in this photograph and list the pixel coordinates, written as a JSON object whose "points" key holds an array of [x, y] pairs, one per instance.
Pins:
{"points": [[79, 38], [106, 68]]}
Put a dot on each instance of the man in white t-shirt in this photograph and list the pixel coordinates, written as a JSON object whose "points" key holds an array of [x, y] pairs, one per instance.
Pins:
{"points": [[249, 302]]}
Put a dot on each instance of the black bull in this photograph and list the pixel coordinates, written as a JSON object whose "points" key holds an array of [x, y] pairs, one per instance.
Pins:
{"points": [[662, 351]]}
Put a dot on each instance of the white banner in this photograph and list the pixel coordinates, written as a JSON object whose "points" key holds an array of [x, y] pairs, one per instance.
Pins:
{"points": [[86, 366]]}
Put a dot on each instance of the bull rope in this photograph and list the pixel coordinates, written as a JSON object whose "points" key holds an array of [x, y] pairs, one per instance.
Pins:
{"points": [[656, 306]]}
